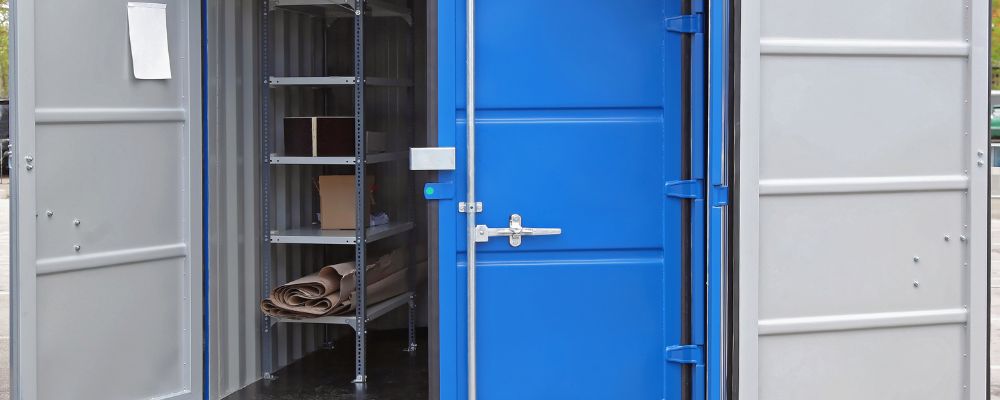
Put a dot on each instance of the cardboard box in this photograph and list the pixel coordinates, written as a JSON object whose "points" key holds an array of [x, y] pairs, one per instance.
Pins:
{"points": [[326, 137], [337, 204]]}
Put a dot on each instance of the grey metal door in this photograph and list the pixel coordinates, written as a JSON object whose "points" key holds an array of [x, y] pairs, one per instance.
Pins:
{"points": [[106, 207], [863, 199]]}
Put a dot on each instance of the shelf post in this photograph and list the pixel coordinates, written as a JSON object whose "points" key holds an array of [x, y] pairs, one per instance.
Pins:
{"points": [[361, 213], [411, 188], [266, 356]]}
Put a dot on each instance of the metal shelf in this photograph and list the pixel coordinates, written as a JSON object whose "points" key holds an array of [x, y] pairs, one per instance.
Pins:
{"points": [[374, 311], [344, 8], [277, 81], [371, 159], [314, 235], [311, 80]]}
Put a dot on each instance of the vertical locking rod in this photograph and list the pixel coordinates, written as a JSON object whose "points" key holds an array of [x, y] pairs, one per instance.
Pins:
{"points": [[470, 215]]}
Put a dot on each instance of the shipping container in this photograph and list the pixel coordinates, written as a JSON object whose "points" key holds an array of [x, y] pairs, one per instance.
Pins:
{"points": [[560, 199]]}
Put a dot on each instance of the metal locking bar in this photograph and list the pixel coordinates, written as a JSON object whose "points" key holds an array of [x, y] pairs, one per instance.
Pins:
{"points": [[514, 232]]}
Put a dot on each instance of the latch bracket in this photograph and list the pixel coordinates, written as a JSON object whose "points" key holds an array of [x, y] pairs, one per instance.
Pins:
{"points": [[690, 23], [464, 208], [439, 190], [689, 189], [685, 354]]}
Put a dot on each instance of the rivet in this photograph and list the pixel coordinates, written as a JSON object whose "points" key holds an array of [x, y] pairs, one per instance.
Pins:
{"points": [[916, 258], [980, 163], [980, 152], [49, 213], [29, 167], [962, 238], [916, 284], [76, 222], [76, 247], [947, 238]]}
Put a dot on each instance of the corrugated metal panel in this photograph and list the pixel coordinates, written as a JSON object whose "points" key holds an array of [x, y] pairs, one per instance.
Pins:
{"points": [[234, 179]]}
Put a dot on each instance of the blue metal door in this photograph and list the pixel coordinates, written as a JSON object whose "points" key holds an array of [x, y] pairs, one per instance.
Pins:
{"points": [[579, 118]]}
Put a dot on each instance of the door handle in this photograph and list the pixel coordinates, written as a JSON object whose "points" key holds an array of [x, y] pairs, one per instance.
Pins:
{"points": [[514, 232]]}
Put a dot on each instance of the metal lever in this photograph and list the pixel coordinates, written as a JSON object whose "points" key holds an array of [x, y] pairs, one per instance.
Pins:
{"points": [[514, 232]]}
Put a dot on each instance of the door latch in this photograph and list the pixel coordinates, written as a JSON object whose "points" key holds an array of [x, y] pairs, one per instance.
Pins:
{"points": [[514, 232]]}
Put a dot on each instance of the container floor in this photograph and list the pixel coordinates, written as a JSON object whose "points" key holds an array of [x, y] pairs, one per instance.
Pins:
{"points": [[327, 374]]}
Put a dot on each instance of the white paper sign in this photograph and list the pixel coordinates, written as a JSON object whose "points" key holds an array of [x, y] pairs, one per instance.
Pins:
{"points": [[147, 35]]}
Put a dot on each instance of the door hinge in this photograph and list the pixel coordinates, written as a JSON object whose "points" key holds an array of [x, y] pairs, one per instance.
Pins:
{"points": [[689, 189], [690, 23], [720, 196], [685, 354]]}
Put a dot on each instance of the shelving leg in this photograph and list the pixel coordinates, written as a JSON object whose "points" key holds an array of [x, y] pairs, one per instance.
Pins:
{"points": [[411, 324], [266, 360], [360, 152]]}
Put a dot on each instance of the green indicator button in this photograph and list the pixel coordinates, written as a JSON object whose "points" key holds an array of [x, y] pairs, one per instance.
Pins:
{"points": [[429, 191]]}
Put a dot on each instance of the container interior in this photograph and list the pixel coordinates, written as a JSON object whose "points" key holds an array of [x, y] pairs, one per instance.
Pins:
{"points": [[310, 41]]}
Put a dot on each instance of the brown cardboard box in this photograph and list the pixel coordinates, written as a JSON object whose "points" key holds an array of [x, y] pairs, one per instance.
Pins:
{"points": [[337, 201], [326, 137]]}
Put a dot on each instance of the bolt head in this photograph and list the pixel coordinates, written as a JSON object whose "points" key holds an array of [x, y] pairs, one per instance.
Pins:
{"points": [[916, 284], [76, 222], [76, 247], [916, 258], [49, 213]]}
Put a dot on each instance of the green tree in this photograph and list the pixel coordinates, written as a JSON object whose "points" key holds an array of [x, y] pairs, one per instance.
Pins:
{"points": [[4, 48], [994, 49]]}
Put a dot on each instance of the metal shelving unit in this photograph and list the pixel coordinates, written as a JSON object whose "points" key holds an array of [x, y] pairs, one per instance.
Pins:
{"points": [[312, 235]]}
